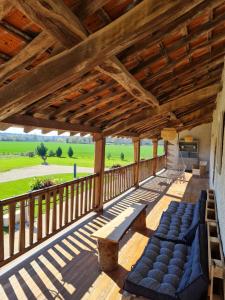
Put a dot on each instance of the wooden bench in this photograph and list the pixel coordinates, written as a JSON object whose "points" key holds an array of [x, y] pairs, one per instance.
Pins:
{"points": [[109, 235]]}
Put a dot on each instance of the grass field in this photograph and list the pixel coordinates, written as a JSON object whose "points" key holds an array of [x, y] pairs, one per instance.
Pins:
{"points": [[22, 186], [83, 154]]}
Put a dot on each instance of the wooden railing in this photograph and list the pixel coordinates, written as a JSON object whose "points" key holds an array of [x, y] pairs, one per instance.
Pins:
{"points": [[32, 218], [146, 168], [161, 163], [117, 181], [29, 219]]}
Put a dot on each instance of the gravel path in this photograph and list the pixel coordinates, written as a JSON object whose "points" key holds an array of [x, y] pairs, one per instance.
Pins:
{"points": [[41, 170]]}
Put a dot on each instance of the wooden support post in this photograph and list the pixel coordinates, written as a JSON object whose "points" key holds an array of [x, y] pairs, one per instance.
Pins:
{"points": [[137, 143], [165, 151], [99, 169], [155, 154]]}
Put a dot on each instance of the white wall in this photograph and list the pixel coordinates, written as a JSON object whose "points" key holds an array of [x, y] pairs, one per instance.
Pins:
{"points": [[203, 134], [219, 179]]}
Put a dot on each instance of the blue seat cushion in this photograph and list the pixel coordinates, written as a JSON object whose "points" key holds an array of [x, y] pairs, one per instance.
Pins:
{"points": [[173, 227], [157, 273], [169, 271], [180, 208]]}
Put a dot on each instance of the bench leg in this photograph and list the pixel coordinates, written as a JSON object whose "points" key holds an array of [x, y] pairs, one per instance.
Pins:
{"points": [[108, 255], [140, 222]]}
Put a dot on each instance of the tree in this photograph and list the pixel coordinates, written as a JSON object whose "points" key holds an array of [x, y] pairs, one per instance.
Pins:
{"points": [[59, 152], [42, 151], [70, 152], [122, 156], [109, 156]]}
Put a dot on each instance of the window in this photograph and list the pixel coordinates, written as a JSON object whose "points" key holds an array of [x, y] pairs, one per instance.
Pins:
{"points": [[221, 142]]}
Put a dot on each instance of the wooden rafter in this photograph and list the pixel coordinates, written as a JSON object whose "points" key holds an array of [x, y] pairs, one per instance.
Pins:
{"points": [[48, 124]]}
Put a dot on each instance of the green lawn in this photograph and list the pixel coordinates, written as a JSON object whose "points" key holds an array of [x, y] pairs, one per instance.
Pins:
{"points": [[22, 186], [83, 154]]}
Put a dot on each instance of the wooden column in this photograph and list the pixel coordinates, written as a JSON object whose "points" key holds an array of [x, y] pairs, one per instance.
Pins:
{"points": [[137, 144], [165, 151], [155, 149], [99, 169]]}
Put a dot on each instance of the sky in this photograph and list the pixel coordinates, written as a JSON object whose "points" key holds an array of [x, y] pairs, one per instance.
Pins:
{"points": [[35, 131]]}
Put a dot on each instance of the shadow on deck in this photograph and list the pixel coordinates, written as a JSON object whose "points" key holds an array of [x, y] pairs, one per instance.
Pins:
{"points": [[68, 267]]}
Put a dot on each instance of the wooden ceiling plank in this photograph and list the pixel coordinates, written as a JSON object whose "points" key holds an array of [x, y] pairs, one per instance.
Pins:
{"points": [[48, 124], [61, 69], [173, 104]]}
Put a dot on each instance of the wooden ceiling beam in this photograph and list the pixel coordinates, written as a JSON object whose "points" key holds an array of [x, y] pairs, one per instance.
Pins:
{"points": [[36, 47], [89, 7], [172, 105], [116, 70], [48, 124], [61, 69], [54, 16], [5, 7], [4, 126]]}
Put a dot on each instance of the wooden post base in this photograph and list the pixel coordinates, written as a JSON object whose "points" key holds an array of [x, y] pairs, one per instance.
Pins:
{"points": [[108, 255], [140, 223]]}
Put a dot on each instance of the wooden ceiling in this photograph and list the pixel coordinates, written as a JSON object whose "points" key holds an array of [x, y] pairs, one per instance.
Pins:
{"points": [[118, 67]]}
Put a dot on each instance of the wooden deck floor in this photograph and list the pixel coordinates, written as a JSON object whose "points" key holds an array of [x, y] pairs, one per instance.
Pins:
{"points": [[68, 267]]}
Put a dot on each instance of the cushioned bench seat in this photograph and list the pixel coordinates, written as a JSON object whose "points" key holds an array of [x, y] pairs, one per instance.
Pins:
{"points": [[169, 271], [173, 227], [179, 222]]}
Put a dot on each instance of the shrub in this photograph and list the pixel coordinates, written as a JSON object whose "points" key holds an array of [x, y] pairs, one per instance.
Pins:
{"points": [[59, 152], [42, 151], [30, 154], [51, 153], [109, 156], [122, 156], [41, 183], [70, 152], [116, 166]]}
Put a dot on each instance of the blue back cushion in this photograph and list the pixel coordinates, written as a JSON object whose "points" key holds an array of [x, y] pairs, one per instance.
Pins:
{"points": [[195, 277], [198, 217]]}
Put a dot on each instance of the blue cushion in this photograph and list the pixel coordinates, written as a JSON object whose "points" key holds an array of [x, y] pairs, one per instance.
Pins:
{"points": [[173, 227], [171, 271], [195, 276], [157, 273]]}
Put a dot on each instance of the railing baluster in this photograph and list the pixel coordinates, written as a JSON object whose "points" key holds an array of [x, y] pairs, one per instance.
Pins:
{"points": [[81, 198], [71, 202], [47, 212], [31, 221], [61, 191], [77, 201], [54, 211], [12, 208], [39, 222], [90, 194], [22, 226], [1, 234], [86, 204], [67, 205]]}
